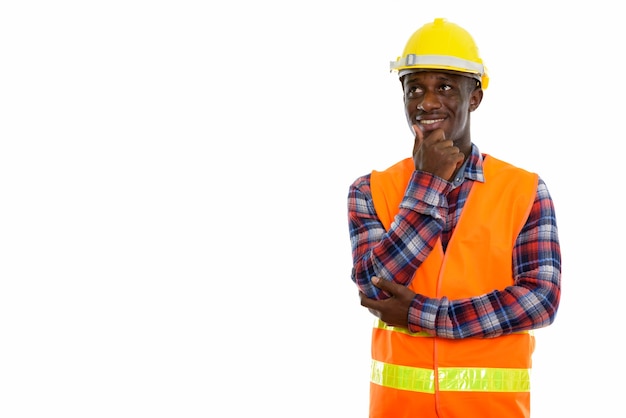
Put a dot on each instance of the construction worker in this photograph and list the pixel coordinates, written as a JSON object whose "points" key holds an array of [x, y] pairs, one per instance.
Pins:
{"points": [[454, 251]]}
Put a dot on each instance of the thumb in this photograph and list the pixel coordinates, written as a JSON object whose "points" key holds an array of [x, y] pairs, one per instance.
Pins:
{"points": [[382, 283], [389, 288]]}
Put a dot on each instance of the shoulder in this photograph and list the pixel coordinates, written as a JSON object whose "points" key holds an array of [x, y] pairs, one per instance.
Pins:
{"points": [[361, 185], [497, 169], [401, 166], [504, 165]]}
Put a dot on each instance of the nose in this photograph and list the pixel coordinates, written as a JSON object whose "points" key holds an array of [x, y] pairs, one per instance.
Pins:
{"points": [[430, 101]]}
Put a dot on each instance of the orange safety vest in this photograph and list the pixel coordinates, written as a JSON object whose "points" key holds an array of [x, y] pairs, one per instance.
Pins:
{"points": [[417, 375]]}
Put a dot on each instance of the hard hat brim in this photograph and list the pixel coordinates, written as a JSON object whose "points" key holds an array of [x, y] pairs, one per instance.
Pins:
{"points": [[407, 71]]}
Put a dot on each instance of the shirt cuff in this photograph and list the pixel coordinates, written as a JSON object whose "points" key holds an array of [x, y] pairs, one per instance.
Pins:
{"points": [[423, 314], [426, 194]]}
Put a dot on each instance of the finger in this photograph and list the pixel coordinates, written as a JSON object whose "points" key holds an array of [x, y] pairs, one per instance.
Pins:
{"points": [[375, 312], [438, 135], [366, 302], [419, 137], [417, 130], [459, 163]]}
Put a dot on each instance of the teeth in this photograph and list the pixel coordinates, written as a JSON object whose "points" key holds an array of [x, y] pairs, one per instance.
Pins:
{"points": [[430, 122]]}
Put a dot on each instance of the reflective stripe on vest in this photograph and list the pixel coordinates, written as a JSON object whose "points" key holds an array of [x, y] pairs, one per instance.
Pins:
{"points": [[416, 379], [468, 379]]}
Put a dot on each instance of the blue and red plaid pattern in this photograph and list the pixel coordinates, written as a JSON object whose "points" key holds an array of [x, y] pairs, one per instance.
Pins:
{"points": [[431, 209]]}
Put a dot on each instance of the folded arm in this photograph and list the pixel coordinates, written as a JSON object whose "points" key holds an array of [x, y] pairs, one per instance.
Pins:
{"points": [[530, 303], [397, 253]]}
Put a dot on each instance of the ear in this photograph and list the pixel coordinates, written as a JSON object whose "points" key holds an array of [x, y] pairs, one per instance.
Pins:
{"points": [[475, 98], [402, 86]]}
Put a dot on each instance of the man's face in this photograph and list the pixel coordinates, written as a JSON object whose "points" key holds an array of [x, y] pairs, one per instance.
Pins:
{"points": [[435, 99]]}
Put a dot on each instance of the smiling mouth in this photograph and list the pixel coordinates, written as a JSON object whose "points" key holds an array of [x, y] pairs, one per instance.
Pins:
{"points": [[430, 121]]}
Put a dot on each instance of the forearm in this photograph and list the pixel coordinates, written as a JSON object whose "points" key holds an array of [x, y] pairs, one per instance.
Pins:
{"points": [[516, 308], [531, 302], [397, 253]]}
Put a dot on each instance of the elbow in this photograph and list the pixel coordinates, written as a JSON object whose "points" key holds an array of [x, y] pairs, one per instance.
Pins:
{"points": [[365, 285], [551, 307]]}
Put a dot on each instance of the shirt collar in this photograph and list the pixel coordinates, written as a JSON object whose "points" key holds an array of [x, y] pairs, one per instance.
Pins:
{"points": [[472, 168]]}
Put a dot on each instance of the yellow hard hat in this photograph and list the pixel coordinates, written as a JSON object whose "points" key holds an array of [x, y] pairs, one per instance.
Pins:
{"points": [[442, 45]]}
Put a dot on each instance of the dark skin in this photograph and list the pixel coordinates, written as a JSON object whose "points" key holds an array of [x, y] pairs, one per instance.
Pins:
{"points": [[437, 105]]}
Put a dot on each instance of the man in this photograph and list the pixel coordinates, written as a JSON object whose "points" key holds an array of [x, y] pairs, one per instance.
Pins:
{"points": [[456, 252]]}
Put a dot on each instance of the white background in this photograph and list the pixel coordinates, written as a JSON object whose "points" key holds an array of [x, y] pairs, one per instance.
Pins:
{"points": [[173, 183]]}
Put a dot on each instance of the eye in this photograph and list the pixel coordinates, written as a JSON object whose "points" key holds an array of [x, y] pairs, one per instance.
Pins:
{"points": [[445, 87], [413, 91]]}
